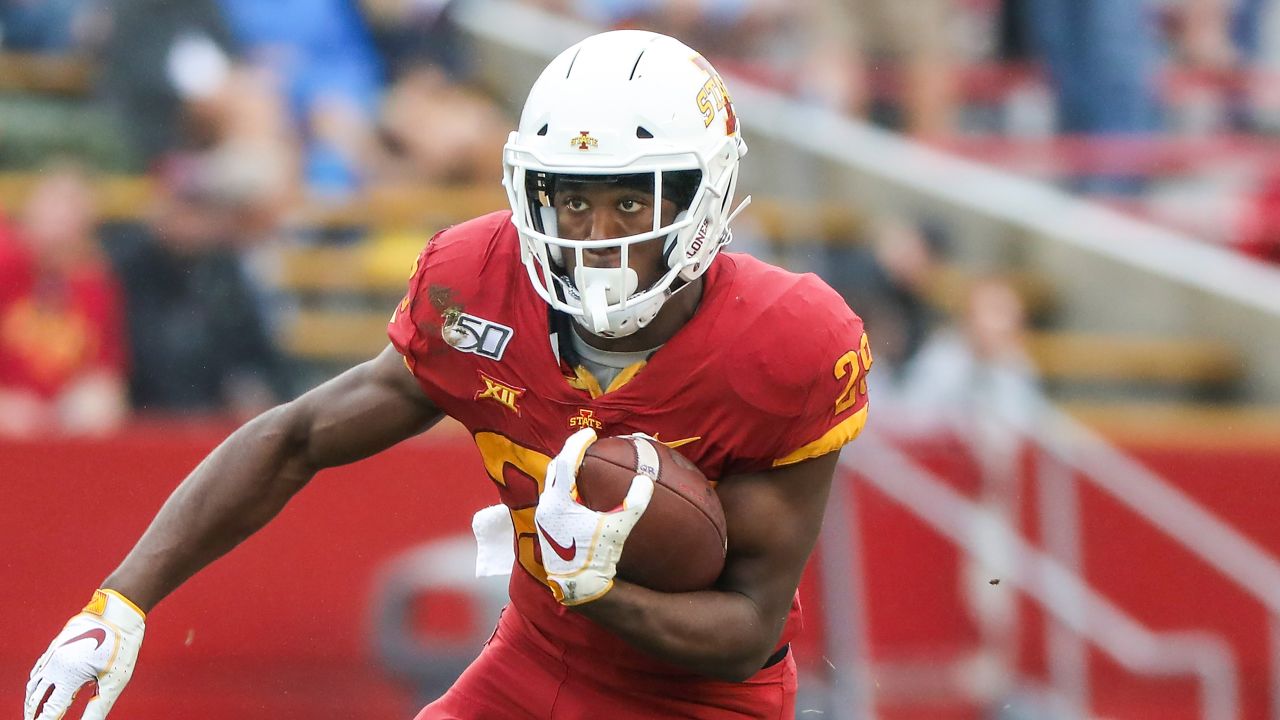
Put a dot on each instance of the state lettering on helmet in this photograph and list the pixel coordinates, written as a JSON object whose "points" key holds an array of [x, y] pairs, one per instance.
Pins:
{"points": [[714, 96]]}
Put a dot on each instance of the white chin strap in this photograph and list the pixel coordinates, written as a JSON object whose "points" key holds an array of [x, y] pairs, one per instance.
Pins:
{"points": [[599, 288]]}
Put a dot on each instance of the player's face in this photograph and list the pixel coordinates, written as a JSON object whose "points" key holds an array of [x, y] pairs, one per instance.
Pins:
{"points": [[601, 211]]}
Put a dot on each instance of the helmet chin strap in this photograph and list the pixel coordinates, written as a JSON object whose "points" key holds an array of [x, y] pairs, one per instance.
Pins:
{"points": [[594, 309], [598, 288]]}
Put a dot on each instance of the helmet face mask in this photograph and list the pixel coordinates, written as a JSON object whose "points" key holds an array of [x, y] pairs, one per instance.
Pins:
{"points": [[638, 110]]}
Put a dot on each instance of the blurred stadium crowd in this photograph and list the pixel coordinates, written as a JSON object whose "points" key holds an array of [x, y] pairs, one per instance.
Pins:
{"points": [[189, 184]]}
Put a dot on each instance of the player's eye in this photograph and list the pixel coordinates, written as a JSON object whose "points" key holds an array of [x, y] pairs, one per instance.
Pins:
{"points": [[630, 205], [575, 204]]}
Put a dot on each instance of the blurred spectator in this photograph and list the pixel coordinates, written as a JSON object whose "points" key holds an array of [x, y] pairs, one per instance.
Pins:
{"points": [[440, 131], [45, 26], [1203, 33], [159, 55], [247, 156], [1103, 59], [1264, 91], [889, 278], [62, 355], [322, 56], [413, 33], [198, 338], [730, 31], [849, 41], [979, 368], [1219, 41], [829, 51]]}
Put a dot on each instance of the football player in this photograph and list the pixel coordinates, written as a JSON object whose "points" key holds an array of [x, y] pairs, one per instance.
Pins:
{"points": [[600, 304]]}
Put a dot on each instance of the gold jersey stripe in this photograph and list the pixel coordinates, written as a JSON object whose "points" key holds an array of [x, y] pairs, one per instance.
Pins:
{"points": [[584, 380], [833, 439], [626, 375]]}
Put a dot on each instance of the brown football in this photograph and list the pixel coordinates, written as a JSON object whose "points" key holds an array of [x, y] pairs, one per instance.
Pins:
{"points": [[679, 543]]}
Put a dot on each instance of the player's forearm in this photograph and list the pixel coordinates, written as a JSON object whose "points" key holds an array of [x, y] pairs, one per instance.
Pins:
{"points": [[235, 491], [250, 477], [724, 635]]}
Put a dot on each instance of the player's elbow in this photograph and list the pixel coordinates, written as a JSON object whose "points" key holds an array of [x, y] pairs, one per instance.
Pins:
{"points": [[287, 429], [285, 424]]}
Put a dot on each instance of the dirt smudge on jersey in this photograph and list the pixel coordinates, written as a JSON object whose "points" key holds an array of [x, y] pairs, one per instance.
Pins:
{"points": [[446, 308]]}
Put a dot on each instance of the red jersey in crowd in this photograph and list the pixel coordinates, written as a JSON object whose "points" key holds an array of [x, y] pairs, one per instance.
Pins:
{"points": [[54, 329]]}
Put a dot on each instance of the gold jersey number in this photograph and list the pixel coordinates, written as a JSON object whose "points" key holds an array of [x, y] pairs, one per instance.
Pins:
{"points": [[854, 365], [520, 491]]}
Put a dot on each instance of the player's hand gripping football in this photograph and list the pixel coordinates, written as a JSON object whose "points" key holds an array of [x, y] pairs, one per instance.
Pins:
{"points": [[580, 546], [98, 645]]}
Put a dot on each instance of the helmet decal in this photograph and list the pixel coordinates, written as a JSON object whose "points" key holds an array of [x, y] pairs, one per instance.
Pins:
{"points": [[714, 97], [584, 141]]}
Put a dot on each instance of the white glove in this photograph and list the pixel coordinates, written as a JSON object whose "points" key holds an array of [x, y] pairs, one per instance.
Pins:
{"points": [[98, 645], [581, 547]]}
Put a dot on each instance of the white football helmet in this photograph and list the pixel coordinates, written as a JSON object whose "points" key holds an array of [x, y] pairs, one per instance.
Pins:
{"points": [[624, 103]]}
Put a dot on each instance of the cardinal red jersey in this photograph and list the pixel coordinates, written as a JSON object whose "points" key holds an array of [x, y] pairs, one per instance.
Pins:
{"points": [[770, 370]]}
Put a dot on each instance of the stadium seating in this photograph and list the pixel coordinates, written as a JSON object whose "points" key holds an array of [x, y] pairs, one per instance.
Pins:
{"points": [[337, 295], [44, 74]]}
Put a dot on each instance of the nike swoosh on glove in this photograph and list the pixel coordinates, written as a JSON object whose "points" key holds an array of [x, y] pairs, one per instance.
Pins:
{"points": [[99, 645], [580, 546]]}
